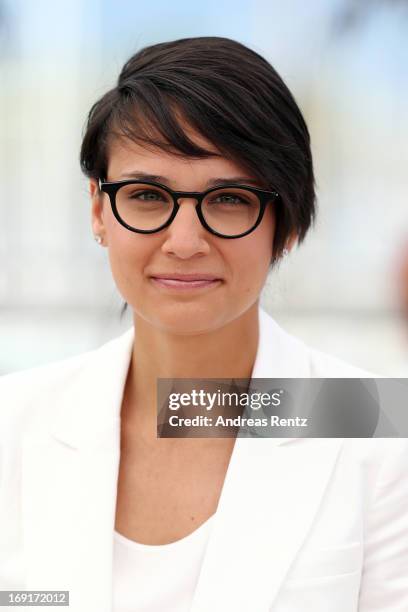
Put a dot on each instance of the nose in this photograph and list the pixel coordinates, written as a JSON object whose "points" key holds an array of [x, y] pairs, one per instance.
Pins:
{"points": [[185, 236]]}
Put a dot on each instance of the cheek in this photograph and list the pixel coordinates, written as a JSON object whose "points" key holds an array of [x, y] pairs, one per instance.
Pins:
{"points": [[256, 267], [255, 258], [250, 266], [128, 253]]}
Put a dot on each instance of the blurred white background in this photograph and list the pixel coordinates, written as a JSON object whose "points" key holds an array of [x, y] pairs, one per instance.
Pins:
{"points": [[346, 63]]}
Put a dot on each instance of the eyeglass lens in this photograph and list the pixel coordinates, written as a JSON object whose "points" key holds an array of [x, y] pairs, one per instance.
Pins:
{"points": [[228, 211]]}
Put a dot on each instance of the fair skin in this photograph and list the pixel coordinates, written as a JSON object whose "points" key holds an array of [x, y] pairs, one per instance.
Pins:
{"points": [[167, 487]]}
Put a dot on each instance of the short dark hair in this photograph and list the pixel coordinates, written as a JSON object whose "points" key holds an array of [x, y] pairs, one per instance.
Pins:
{"points": [[229, 94]]}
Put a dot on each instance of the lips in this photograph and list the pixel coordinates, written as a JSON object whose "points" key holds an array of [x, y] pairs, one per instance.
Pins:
{"points": [[185, 281], [186, 277]]}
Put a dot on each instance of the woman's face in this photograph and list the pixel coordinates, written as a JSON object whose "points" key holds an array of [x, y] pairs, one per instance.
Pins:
{"points": [[185, 247]]}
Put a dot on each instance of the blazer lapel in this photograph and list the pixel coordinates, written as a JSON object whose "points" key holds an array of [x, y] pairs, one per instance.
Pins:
{"points": [[270, 497], [70, 482], [68, 516], [271, 494]]}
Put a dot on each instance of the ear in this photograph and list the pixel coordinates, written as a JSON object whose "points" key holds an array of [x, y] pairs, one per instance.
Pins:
{"points": [[97, 209]]}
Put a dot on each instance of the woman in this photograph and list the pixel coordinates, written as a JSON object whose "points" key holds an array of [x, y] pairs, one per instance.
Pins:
{"points": [[201, 179]]}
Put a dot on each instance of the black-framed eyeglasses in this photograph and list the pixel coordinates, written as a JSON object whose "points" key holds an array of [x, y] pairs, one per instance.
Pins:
{"points": [[230, 211]]}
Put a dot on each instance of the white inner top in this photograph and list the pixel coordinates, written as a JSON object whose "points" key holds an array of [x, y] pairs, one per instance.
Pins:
{"points": [[150, 578]]}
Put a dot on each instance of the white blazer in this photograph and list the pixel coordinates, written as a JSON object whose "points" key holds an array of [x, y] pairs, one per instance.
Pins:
{"points": [[317, 524]]}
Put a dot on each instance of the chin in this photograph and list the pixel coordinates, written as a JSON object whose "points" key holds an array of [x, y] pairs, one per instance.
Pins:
{"points": [[188, 318]]}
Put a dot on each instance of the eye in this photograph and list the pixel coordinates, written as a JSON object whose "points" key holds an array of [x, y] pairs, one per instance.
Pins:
{"points": [[150, 195], [229, 198]]}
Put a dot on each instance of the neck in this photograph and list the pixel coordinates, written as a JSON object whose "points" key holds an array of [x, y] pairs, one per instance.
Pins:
{"points": [[227, 352]]}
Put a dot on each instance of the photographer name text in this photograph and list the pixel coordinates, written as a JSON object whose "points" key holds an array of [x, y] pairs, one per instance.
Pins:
{"points": [[206, 421]]}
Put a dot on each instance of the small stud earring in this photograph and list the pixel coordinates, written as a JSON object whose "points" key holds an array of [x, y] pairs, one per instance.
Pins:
{"points": [[98, 239], [285, 252]]}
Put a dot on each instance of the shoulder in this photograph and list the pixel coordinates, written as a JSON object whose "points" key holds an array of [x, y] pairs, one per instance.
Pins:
{"points": [[384, 458], [323, 365], [28, 380], [26, 391], [300, 359], [27, 394]]}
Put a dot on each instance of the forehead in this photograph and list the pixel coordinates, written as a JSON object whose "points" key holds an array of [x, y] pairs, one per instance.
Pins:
{"points": [[126, 156]]}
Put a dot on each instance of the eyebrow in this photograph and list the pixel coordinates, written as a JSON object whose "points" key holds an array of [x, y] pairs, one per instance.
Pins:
{"points": [[210, 183]]}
